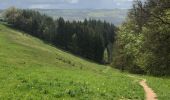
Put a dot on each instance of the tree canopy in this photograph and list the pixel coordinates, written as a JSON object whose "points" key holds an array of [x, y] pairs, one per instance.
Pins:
{"points": [[87, 39], [143, 40]]}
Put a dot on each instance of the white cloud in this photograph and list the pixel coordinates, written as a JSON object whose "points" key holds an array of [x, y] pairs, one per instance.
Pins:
{"points": [[41, 6], [72, 1], [118, 4], [123, 0], [67, 4]]}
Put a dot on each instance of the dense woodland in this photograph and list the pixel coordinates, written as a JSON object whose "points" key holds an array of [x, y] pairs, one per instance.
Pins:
{"points": [[141, 44], [88, 39]]}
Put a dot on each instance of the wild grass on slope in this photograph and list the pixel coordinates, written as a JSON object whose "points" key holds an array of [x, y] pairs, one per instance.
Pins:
{"points": [[30, 69], [161, 86]]}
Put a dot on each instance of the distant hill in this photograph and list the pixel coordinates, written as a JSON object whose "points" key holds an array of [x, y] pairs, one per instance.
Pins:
{"points": [[1, 13], [115, 16]]}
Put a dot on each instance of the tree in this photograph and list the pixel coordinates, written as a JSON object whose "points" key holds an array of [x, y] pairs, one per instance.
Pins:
{"points": [[87, 39], [12, 15], [142, 42]]}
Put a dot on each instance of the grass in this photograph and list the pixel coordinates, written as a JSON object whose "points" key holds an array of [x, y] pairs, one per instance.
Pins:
{"points": [[161, 86], [31, 69]]}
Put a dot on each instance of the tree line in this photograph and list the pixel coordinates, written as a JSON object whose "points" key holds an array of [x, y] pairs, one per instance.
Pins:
{"points": [[143, 41], [88, 39], [141, 44]]}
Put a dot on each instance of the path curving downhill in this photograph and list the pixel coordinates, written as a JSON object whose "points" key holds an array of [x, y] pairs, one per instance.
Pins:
{"points": [[150, 94]]}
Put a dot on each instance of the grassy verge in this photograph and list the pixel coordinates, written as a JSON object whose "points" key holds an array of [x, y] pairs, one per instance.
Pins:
{"points": [[161, 86]]}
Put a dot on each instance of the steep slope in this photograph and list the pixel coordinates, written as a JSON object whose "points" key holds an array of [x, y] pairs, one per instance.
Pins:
{"points": [[31, 69]]}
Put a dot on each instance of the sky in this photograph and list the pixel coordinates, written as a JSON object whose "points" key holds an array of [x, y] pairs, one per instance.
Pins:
{"points": [[67, 4]]}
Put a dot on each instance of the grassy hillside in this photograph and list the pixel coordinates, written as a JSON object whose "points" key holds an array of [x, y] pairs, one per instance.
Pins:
{"points": [[31, 69], [161, 86]]}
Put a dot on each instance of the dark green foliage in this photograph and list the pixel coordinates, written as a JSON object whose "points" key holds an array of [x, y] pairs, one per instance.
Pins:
{"points": [[158, 48], [143, 40], [87, 39]]}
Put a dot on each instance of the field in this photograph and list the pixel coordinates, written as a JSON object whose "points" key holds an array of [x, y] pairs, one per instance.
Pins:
{"points": [[1, 13], [31, 69], [161, 86]]}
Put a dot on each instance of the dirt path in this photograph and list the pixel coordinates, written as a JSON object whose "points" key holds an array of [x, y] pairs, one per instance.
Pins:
{"points": [[150, 95]]}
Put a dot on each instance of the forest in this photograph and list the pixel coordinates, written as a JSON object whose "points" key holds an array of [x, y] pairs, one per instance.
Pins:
{"points": [[88, 39], [140, 45]]}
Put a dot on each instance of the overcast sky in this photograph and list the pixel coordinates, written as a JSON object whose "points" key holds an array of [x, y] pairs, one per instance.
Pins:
{"points": [[67, 4]]}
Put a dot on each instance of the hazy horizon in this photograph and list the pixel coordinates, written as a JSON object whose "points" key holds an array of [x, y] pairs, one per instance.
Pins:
{"points": [[67, 8], [67, 4]]}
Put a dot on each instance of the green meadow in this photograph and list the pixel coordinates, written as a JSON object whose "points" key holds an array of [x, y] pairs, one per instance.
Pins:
{"points": [[33, 70]]}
